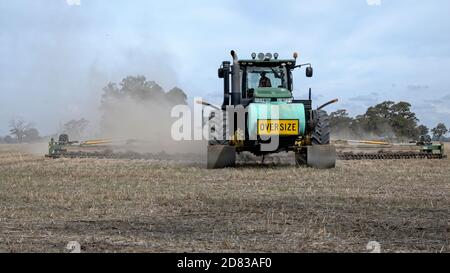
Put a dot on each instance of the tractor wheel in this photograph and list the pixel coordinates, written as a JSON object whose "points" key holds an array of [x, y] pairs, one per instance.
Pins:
{"points": [[321, 132], [321, 154], [63, 138]]}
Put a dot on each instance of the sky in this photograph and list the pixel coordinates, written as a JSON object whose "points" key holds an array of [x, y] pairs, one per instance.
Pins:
{"points": [[56, 55]]}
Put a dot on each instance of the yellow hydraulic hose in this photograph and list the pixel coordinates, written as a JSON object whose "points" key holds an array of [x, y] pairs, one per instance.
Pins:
{"points": [[370, 142], [96, 142]]}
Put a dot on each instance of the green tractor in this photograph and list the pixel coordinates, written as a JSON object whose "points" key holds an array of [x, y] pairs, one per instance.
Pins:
{"points": [[260, 115], [59, 148]]}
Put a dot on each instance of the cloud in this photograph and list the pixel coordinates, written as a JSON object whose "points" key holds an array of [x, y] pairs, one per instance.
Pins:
{"points": [[73, 2], [368, 98], [444, 100], [417, 87], [373, 2], [434, 101], [432, 112], [447, 97]]}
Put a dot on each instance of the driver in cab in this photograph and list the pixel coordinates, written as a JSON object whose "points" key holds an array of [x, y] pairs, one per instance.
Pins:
{"points": [[264, 81]]}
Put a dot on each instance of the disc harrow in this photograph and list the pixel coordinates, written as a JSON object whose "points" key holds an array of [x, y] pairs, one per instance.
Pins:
{"points": [[387, 156]]}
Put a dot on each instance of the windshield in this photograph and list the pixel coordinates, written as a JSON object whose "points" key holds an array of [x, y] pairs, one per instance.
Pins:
{"points": [[264, 77]]}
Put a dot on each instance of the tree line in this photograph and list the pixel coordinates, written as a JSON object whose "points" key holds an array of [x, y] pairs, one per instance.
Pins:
{"points": [[22, 131], [386, 120]]}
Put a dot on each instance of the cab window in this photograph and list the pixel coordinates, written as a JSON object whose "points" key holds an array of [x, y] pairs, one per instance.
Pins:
{"points": [[276, 76]]}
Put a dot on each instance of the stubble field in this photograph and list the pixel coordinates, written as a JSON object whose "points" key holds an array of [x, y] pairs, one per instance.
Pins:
{"points": [[164, 206]]}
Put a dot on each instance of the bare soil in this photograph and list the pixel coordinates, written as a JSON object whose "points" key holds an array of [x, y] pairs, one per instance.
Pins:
{"points": [[153, 205]]}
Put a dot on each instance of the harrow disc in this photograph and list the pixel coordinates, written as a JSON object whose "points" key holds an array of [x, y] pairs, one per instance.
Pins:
{"points": [[387, 156]]}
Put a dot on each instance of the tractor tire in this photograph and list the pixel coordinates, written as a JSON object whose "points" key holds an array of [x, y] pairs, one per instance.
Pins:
{"points": [[322, 130], [63, 138], [321, 155]]}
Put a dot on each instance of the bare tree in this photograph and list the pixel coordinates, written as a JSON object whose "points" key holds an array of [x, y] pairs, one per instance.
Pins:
{"points": [[18, 128]]}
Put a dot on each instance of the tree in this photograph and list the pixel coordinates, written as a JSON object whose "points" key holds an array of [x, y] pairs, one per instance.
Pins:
{"points": [[340, 119], [135, 87], [423, 130], [404, 121], [132, 102], [342, 125], [31, 135], [75, 128], [439, 131], [176, 96], [376, 119], [390, 118], [8, 140], [139, 88], [18, 128]]}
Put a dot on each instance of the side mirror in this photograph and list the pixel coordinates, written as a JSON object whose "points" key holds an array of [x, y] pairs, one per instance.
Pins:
{"points": [[309, 72], [220, 73]]}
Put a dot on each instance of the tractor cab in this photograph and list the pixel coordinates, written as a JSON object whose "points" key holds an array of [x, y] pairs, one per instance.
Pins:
{"points": [[261, 79], [267, 79]]}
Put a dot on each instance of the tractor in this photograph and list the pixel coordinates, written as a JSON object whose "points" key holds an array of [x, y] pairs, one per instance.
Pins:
{"points": [[89, 148], [58, 148], [259, 110]]}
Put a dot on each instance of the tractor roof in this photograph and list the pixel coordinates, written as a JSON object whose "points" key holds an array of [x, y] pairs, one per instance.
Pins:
{"points": [[271, 62]]}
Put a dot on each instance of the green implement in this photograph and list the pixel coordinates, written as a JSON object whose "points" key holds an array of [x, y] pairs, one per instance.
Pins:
{"points": [[376, 150], [66, 148]]}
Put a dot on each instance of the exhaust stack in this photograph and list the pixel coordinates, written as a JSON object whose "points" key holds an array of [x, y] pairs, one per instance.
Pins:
{"points": [[235, 80], [226, 83]]}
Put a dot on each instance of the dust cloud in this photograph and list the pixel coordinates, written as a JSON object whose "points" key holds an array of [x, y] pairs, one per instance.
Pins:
{"points": [[360, 134], [144, 125]]}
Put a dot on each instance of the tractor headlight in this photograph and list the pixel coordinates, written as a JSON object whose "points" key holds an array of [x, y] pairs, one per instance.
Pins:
{"points": [[261, 56], [275, 55], [268, 56], [253, 56]]}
